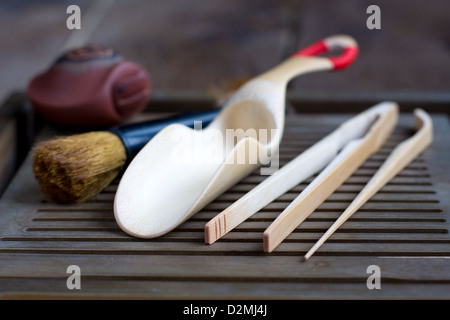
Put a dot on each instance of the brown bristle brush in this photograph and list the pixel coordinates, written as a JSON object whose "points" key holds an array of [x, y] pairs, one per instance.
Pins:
{"points": [[74, 169]]}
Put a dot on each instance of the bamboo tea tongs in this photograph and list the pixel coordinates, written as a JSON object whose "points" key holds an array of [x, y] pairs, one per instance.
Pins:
{"points": [[356, 139], [400, 157]]}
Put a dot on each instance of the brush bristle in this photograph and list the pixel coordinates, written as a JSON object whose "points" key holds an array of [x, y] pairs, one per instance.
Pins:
{"points": [[74, 169]]}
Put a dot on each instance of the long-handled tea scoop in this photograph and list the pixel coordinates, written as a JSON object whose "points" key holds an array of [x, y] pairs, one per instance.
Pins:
{"points": [[164, 185]]}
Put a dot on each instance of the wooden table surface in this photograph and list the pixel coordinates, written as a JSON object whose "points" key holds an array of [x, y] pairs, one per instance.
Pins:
{"points": [[404, 230]]}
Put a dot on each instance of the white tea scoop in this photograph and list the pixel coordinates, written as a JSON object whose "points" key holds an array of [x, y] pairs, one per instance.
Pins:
{"points": [[181, 170]]}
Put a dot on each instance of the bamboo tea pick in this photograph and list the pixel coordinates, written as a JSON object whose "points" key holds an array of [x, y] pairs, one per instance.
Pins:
{"points": [[339, 170], [400, 157], [297, 170]]}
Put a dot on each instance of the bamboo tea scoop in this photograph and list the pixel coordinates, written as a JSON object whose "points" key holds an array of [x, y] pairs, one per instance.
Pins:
{"points": [[305, 165], [399, 158], [181, 170]]}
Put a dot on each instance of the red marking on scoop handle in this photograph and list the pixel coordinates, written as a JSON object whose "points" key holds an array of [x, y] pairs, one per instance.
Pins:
{"points": [[348, 46]]}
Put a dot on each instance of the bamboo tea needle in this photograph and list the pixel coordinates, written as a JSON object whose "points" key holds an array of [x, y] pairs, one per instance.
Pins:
{"points": [[400, 157]]}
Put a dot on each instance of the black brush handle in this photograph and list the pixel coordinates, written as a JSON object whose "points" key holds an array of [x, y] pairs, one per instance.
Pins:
{"points": [[136, 135]]}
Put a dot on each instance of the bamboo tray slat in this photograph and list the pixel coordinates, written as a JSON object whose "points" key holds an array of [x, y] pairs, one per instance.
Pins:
{"points": [[404, 229]]}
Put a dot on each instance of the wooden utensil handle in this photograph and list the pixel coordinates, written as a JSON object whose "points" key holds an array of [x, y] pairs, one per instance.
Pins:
{"points": [[306, 60]]}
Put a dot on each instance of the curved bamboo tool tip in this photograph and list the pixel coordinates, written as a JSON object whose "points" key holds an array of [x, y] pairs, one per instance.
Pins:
{"points": [[400, 157]]}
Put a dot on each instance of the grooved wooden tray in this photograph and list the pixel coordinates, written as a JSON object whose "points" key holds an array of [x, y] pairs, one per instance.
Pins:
{"points": [[404, 230]]}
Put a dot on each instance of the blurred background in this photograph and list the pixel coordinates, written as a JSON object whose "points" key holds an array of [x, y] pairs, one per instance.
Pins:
{"points": [[191, 46]]}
